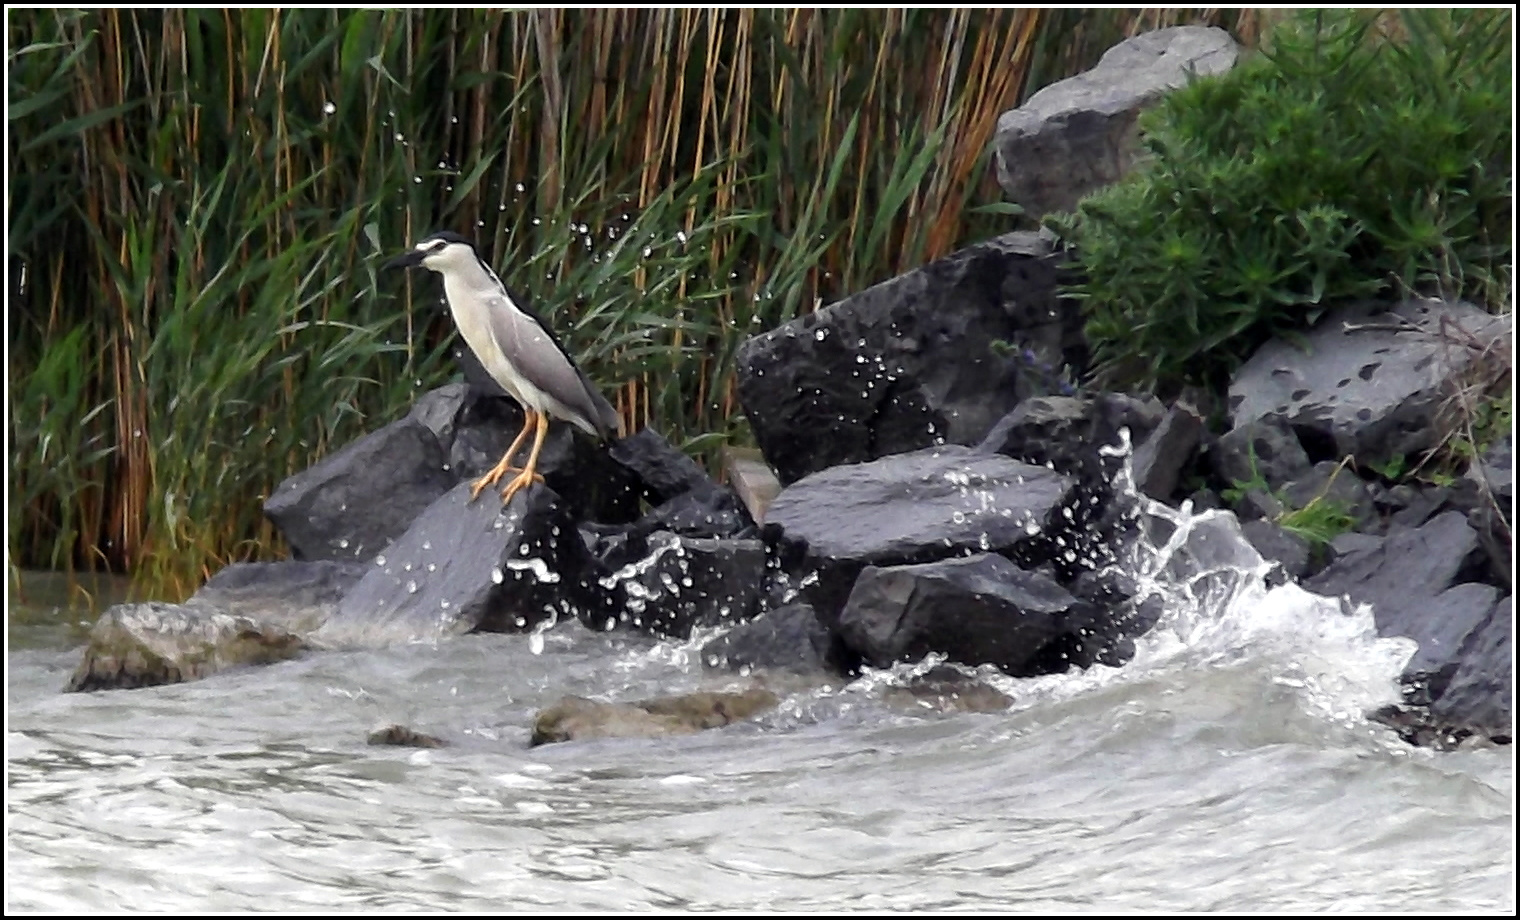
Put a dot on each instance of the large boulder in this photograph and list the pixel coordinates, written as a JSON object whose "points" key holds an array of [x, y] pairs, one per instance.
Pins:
{"points": [[978, 610], [911, 362], [1369, 381], [466, 566], [671, 585], [1418, 583], [916, 507], [1479, 696], [1078, 135], [356, 500], [788, 638], [353, 502]]}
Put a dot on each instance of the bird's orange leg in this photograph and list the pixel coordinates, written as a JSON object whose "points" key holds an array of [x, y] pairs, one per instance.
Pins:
{"points": [[529, 474], [505, 465]]}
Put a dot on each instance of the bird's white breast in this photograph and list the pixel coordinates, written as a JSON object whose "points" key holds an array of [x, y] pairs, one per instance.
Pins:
{"points": [[475, 326]]}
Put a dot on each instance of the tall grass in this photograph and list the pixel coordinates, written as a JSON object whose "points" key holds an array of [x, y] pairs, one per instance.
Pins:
{"points": [[198, 199]]}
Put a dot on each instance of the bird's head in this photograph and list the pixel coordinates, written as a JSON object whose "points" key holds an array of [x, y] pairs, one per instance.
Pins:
{"points": [[442, 252]]}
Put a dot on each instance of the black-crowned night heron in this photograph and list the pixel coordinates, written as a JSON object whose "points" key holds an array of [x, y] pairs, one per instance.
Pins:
{"points": [[517, 349]]}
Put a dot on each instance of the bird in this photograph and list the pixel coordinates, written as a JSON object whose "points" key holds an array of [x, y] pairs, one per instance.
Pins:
{"points": [[518, 349]]}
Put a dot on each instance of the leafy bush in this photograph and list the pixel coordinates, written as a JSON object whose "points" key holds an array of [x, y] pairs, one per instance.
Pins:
{"points": [[1358, 155]]}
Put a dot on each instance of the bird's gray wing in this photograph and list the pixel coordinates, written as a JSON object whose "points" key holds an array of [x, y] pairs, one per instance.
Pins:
{"points": [[542, 361]]}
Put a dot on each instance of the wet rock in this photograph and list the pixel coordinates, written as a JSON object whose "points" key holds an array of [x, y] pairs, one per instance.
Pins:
{"points": [[575, 718], [672, 584], [979, 610], [353, 502], [295, 596], [910, 362], [466, 566], [1078, 135], [1409, 504], [1417, 581], [1158, 463], [1441, 630], [1401, 575], [1370, 382], [788, 638], [401, 736], [700, 513], [1068, 432], [592, 486], [663, 471], [1480, 693], [144, 645], [1288, 551], [912, 508], [947, 689]]}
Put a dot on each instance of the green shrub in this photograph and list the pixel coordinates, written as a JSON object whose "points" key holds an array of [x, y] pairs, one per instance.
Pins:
{"points": [[1355, 156]]}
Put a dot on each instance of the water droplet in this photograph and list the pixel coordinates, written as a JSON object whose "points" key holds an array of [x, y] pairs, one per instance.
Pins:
{"points": [[399, 137], [380, 560], [411, 586], [343, 543], [329, 107]]}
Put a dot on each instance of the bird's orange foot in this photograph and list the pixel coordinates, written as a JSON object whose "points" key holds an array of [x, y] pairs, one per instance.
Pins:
{"points": [[519, 482]]}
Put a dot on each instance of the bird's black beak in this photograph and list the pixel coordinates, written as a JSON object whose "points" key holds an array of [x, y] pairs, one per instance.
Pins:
{"points": [[407, 259]]}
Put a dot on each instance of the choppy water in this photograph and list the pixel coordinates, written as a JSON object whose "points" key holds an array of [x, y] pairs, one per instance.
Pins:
{"points": [[1227, 767]]}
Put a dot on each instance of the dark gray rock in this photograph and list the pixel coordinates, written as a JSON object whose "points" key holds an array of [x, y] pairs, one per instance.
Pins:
{"points": [[1265, 448], [664, 471], [980, 610], [1078, 135], [1441, 629], [1158, 462], [591, 485], [1410, 505], [1369, 382], [1480, 693], [1335, 484], [352, 503], [468, 566], [673, 584], [700, 513], [1412, 580], [916, 507], [1495, 470], [145, 645], [1288, 550], [788, 638], [910, 362]]}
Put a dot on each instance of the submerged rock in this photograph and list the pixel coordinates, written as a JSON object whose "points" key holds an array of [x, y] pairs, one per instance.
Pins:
{"points": [[401, 736], [144, 645], [576, 718]]}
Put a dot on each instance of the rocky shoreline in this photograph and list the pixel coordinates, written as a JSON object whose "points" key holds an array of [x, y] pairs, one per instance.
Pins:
{"points": [[943, 489]]}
